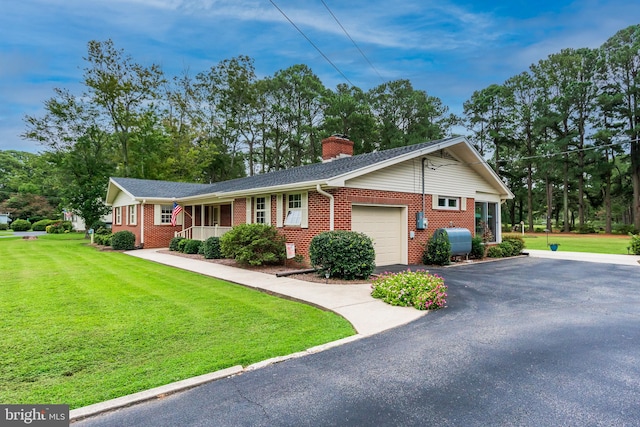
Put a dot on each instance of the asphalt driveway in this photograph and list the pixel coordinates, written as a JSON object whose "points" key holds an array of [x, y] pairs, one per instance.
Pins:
{"points": [[523, 342]]}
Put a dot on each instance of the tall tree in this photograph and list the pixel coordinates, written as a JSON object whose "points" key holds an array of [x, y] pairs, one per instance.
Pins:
{"points": [[123, 90], [80, 151], [622, 54]]}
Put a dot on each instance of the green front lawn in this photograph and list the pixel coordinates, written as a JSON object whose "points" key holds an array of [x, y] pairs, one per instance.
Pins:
{"points": [[601, 244], [79, 326]]}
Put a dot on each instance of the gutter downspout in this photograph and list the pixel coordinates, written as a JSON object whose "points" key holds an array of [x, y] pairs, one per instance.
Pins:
{"points": [[331, 205], [142, 223], [424, 159]]}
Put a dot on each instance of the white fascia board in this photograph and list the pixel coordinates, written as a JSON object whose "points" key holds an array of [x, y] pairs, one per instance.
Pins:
{"points": [[339, 181], [112, 192]]}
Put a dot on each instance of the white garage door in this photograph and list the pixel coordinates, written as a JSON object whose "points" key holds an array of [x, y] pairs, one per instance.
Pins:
{"points": [[384, 226]]}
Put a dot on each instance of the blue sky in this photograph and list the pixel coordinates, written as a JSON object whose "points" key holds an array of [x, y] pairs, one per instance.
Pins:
{"points": [[449, 48]]}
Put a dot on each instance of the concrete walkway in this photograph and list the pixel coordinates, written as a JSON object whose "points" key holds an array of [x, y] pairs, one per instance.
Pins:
{"points": [[584, 256]]}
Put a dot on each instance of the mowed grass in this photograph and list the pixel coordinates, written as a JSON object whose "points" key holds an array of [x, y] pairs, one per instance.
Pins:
{"points": [[601, 244], [79, 326]]}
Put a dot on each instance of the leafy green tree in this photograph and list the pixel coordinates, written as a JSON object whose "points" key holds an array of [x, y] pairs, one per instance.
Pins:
{"points": [[622, 56], [123, 91], [80, 151]]}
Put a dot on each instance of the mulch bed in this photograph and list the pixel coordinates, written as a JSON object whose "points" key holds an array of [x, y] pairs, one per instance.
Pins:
{"points": [[273, 269]]}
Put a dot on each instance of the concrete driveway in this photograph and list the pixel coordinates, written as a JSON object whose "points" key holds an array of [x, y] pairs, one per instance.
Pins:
{"points": [[523, 342]]}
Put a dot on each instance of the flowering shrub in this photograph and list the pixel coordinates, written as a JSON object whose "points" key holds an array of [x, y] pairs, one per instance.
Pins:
{"points": [[419, 289]]}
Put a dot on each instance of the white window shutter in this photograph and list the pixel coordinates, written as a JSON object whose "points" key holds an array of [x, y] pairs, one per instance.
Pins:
{"points": [[157, 214], [463, 203], [249, 219], [267, 209], [434, 201], [304, 223], [279, 211]]}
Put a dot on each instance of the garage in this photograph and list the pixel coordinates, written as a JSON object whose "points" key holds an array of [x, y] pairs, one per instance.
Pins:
{"points": [[385, 226]]}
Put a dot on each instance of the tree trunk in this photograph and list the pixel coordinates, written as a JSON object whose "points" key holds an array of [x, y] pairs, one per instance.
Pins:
{"points": [[530, 196], [565, 195]]}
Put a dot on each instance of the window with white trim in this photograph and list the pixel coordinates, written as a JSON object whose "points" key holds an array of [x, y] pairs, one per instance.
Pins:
{"points": [[451, 203], [118, 215], [294, 210], [260, 215], [132, 215], [165, 214]]}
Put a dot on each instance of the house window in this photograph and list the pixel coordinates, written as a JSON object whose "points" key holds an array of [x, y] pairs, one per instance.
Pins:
{"points": [[452, 203], [486, 221], [261, 210], [132, 215], [118, 214], [294, 210], [165, 214]]}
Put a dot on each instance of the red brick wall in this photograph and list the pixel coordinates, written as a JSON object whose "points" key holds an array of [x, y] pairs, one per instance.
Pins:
{"points": [[135, 229], [345, 197], [157, 236]]}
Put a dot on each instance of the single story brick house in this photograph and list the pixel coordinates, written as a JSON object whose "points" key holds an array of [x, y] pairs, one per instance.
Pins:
{"points": [[398, 197]]}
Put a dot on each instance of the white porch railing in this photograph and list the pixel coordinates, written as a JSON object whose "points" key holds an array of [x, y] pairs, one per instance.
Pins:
{"points": [[199, 232]]}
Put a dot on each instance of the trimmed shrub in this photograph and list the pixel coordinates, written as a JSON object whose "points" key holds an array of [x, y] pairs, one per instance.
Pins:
{"points": [[4, 227], [344, 254], [516, 242], [58, 227], [211, 248], [123, 241], [438, 251], [173, 244], [507, 249], [21, 225], [635, 244], [495, 252], [181, 244], [192, 246], [42, 224], [253, 244], [477, 248], [419, 289], [102, 239]]}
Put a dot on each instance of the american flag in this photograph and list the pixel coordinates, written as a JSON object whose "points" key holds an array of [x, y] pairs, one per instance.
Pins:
{"points": [[175, 212]]}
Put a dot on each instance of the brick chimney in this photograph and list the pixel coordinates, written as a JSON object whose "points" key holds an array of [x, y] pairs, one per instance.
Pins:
{"points": [[335, 147]]}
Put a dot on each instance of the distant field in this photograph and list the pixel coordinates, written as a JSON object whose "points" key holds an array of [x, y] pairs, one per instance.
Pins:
{"points": [[595, 243]]}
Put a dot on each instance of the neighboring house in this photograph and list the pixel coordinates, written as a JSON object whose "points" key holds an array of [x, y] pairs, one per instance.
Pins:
{"points": [[383, 194], [78, 223], [4, 218]]}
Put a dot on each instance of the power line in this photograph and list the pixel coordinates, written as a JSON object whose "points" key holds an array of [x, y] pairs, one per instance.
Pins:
{"points": [[352, 41], [310, 42], [543, 156]]}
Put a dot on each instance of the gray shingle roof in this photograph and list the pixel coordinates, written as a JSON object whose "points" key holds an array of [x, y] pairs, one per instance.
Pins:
{"points": [[312, 172], [158, 189]]}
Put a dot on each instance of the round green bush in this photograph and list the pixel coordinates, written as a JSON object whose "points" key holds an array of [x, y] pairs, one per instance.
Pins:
{"points": [[181, 244], [42, 224], [192, 246], [253, 244], [438, 251], [517, 244], [507, 249], [123, 241], [173, 244], [344, 254], [495, 252], [21, 225], [4, 227], [477, 248], [635, 244], [211, 248]]}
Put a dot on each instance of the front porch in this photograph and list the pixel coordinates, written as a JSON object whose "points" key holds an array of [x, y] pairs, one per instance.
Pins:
{"points": [[204, 221]]}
